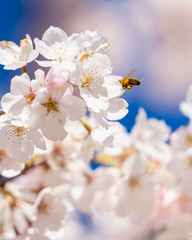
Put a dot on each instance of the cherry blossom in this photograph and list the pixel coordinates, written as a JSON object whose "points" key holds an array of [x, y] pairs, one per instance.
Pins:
{"points": [[20, 139], [23, 93], [67, 170], [92, 78], [57, 47], [93, 43], [14, 56], [51, 108], [50, 209]]}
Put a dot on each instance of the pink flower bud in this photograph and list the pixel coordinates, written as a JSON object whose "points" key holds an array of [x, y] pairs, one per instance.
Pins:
{"points": [[56, 77]]}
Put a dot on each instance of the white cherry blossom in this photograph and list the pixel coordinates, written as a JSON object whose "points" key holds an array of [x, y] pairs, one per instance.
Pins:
{"points": [[51, 108], [57, 47], [50, 209], [23, 93], [16, 212], [93, 43], [150, 136], [14, 56], [93, 79], [68, 173], [20, 139], [135, 191], [181, 139]]}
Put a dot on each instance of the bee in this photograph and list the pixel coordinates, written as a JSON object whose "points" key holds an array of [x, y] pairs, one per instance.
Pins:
{"points": [[128, 82]]}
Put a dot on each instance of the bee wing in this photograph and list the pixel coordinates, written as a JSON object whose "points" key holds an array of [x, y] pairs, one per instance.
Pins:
{"points": [[132, 72]]}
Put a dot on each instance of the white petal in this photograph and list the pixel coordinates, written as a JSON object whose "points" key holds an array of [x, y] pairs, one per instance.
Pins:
{"points": [[8, 100], [53, 35], [96, 104], [20, 85], [9, 45], [15, 65], [38, 81], [8, 51], [46, 63], [22, 151], [4, 142], [186, 109], [117, 109], [74, 107], [113, 86], [26, 48], [38, 140], [33, 54], [37, 117], [17, 108], [53, 128], [44, 50]]}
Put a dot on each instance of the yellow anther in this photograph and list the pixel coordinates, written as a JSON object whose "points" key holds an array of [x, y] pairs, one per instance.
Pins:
{"points": [[30, 97], [19, 131], [84, 56]]}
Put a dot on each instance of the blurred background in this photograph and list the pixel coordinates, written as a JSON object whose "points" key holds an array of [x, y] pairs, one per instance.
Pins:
{"points": [[154, 36]]}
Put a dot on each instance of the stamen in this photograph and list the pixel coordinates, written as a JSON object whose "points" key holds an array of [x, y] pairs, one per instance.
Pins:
{"points": [[51, 106]]}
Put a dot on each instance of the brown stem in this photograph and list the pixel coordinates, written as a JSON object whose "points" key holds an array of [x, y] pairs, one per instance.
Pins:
{"points": [[24, 69], [85, 125], [4, 180]]}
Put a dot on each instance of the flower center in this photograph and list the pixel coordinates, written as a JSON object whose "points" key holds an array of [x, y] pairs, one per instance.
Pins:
{"points": [[60, 51], [15, 133], [86, 81], [92, 80], [30, 97], [51, 106], [19, 131]]}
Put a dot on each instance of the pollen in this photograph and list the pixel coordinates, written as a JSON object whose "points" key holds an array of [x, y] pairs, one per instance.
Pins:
{"points": [[51, 106], [91, 80], [19, 131], [60, 51], [16, 134], [60, 121], [107, 44], [85, 56], [86, 81], [30, 97]]}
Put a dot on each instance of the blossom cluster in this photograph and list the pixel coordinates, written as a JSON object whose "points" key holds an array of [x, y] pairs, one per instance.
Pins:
{"points": [[79, 80], [67, 169]]}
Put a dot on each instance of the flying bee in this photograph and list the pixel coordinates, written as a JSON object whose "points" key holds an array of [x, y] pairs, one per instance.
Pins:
{"points": [[128, 82]]}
